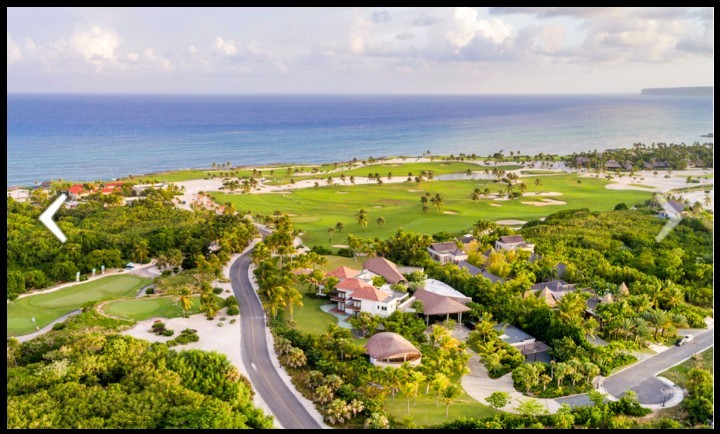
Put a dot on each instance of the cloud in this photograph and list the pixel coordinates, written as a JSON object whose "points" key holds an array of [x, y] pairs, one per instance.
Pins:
{"points": [[192, 49], [132, 57], [404, 36], [550, 12], [96, 44], [14, 55], [153, 59], [466, 25], [380, 16], [425, 21], [227, 48]]}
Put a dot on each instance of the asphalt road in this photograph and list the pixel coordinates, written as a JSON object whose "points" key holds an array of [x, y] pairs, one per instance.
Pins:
{"points": [[641, 377], [283, 403]]}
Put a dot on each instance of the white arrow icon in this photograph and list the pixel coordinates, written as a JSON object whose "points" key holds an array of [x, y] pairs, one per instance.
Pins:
{"points": [[46, 218]]}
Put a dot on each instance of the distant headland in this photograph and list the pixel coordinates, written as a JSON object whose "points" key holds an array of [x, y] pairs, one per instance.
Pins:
{"points": [[679, 91]]}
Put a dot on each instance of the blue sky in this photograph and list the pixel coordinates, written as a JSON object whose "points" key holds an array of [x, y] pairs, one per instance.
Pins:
{"points": [[358, 50]]}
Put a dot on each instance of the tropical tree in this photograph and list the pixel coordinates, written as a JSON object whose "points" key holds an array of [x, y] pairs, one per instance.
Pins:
{"points": [[339, 226], [437, 201], [331, 231], [292, 298], [448, 396], [208, 301], [185, 300], [538, 183], [295, 358], [476, 195], [531, 407], [362, 219], [498, 400], [380, 221]]}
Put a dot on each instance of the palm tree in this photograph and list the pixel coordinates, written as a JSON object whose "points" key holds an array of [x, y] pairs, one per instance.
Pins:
{"points": [[331, 231], [292, 298], [208, 302], [339, 226], [380, 221], [476, 195], [342, 178], [449, 394], [185, 300], [276, 298], [537, 183], [352, 180], [523, 187], [362, 218], [437, 201], [483, 226]]}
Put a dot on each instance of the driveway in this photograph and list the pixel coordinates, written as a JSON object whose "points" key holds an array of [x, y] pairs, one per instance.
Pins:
{"points": [[262, 369], [641, 377]]}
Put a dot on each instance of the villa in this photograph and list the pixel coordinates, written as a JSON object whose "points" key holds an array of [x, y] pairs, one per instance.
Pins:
{"points": [[613, 165], [78, 191], [391, 349], [551, 291], [355, 295], [527, 344], [447, 252], [671, 209], [386, 269], [512, 242]]}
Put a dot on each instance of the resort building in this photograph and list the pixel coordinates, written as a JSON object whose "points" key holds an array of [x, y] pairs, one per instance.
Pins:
{"points": [[671, 209], [343, 273], [613, 165], [355, 295], [386, 269], [447, 252], [527, 344], [78, 191], [139, 188], [391, 349], [551, 292], [512, 242], [437, 304]]}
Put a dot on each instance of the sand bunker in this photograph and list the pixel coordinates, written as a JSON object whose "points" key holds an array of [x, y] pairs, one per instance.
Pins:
{"points": [[546, 202], [495, 204], [342, 192], [415, 191], [544, 193], [292, 215], [341, 246], [449, 212], [510, 222]]}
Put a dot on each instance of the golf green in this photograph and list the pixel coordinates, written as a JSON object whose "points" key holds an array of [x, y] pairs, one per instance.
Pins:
{"points": [[50, 306], [144, 308]]}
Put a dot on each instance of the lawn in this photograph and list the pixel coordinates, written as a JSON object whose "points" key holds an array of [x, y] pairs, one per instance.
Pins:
{"points": [[314, 210], [425, 412], [144, 308], [309, 318], [48, 307], [678, 374], [339, 261]]}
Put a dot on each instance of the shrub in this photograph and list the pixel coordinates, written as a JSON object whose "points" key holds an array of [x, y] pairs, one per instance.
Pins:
{"points": [[59, 326], [217, 290], [186, 336], [166, 273], [320, 250], [158, 327], [150, 291], [233, 310], [176, 270], [220, 324], [233, 321], [223, 319], [230, 301], [167, 332], [344, 252]]}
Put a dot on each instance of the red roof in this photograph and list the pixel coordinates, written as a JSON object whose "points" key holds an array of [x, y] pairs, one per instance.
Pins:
{"points": [[369, 293], [114, 184], [343, 272], [76, 189], [352, 285], [384, 268]]}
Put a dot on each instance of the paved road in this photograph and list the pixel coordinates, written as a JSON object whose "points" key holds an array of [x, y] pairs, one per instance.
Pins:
{"points": [[48, 327], [288, 410], [641, 377]]}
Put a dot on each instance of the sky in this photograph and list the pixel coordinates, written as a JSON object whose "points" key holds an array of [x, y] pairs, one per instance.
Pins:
{"points": [[490, 50]]}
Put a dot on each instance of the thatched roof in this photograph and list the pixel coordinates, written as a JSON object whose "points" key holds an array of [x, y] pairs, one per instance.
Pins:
{"points": [[387, 344], [623, 289]]}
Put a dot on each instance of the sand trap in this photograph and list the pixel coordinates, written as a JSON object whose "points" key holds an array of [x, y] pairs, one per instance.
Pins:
{"points": [[292, 215], [545, 202], [341, 246], [342, 192], [510, 222], [415, 191], [449, 212], [495, 204], [545, 193]]}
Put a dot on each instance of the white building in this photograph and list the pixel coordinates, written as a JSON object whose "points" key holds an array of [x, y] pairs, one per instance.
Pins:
{"points": [[512, 242], [447, 252]]}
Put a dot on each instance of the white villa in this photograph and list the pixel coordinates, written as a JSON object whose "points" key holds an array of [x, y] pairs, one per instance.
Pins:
{"points": [[512, 242], [447, 252]]}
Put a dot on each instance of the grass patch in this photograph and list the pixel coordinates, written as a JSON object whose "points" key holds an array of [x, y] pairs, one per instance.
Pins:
{"points": [[425, 412], [679, 374], [309, 318], [317, 209], [48, 307], [144, 308], [539, 172], [642, 186], [339, 261]]}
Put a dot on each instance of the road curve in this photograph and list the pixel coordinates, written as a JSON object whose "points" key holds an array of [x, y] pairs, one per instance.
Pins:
{"points": [[641, 377], [283, 403]]}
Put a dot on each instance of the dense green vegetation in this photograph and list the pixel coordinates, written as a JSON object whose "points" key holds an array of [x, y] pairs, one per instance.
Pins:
{"points": [[97, 380], [677, 156], [111, 236], [47, 307]]}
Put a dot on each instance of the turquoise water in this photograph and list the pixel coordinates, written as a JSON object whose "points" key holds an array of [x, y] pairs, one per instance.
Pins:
{"points": [[89, 137]]}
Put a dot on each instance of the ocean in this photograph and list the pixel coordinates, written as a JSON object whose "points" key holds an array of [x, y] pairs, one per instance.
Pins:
{"points": [[92, 137]]}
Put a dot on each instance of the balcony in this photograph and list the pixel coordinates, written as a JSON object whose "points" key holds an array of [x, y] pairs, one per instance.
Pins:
{"points": [[355, 307]]}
